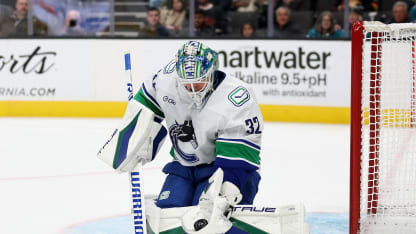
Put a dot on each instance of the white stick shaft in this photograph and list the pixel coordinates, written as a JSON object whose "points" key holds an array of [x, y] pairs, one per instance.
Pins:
{"points": [[136, 185], [129, 78]]}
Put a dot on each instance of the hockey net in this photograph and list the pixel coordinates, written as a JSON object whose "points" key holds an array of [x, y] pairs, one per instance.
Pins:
{"points": [[383, 129]]}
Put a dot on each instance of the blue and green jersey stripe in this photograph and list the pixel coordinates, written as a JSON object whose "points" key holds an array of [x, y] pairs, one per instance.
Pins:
{"points": [[148, 101], [238, 152]]}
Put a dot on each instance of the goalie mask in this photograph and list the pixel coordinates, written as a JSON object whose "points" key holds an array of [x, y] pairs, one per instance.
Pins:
{"points": [[195, 65]]}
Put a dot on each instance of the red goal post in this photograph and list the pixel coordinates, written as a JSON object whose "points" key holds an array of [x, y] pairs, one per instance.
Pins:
{"points": [[383, 129]]}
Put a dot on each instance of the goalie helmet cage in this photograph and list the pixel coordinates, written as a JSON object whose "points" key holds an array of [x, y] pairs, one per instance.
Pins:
{"points": [[383, 137]]}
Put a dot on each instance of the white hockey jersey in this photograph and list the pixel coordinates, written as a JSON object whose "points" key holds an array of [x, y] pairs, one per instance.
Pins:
{"points": [[227, 129]]}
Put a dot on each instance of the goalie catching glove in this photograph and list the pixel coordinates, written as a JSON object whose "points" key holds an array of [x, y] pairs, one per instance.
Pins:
{"points": [[213, 211], [136, 140]]}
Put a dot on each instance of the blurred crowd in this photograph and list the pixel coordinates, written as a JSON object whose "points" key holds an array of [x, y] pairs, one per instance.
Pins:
{"points": [[199, 18], [21, 18]]}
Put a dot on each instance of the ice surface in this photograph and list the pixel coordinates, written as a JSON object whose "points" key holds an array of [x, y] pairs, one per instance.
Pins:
{"points": [[51, 180]]}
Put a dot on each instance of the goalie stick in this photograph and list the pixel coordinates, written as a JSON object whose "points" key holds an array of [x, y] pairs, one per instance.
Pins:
{"points": [[136, 186]]}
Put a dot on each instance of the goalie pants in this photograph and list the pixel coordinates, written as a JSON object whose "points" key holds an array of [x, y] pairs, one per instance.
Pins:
{"points": [[184, 185]]}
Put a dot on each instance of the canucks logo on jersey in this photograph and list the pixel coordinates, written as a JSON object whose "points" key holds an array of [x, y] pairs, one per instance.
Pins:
{"points": [[184, 140]]}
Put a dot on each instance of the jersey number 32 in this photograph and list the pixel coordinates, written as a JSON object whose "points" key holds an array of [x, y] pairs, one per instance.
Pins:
{"points": [[253, 126]]}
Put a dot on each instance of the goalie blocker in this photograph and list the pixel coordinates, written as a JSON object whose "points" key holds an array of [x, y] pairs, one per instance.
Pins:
{"points": [[137, 139]]}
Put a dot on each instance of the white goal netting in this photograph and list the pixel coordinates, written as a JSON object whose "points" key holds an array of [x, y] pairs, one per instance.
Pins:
{"points": [[388, 147]]}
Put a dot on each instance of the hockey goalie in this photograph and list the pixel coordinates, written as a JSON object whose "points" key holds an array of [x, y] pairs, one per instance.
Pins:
{"points": [[215, 126]]}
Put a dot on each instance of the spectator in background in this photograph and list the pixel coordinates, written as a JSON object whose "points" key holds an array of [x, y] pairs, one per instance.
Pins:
{"points": [[325, 27], [284, 26], [153, 26], [6, 22], [20, 20], [214, 16], [200, 27], [400, 13], [173, 18], [72, 24], [248, 30]]}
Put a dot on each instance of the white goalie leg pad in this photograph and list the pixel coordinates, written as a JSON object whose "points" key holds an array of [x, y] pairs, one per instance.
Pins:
{"points": [[137, 139]]}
